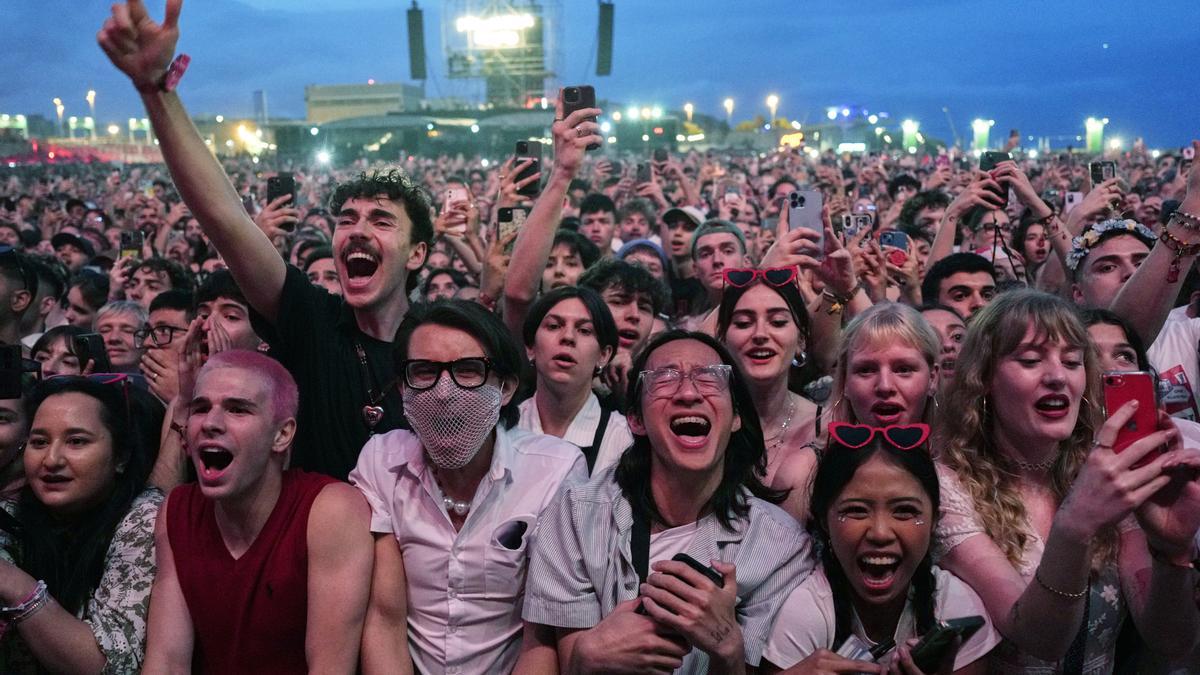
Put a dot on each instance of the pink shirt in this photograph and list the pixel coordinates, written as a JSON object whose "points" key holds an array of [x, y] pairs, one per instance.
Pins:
{"points": [[466, 588]]}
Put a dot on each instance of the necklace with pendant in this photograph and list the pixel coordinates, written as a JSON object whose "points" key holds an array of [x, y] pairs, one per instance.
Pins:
{"points": [[372, 412]]}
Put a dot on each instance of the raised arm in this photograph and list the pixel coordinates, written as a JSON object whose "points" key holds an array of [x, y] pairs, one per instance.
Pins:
{"points": [[571, 138], [169, 636], [340, 559], [142, 49], [1146, 299], [983, 191]]}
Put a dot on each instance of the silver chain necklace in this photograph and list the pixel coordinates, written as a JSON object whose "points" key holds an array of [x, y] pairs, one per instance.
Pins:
{"points": [[1040, 466], [778, 438]]}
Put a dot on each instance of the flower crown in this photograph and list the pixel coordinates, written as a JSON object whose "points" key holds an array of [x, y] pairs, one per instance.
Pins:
{"points": [[1082, 245]]}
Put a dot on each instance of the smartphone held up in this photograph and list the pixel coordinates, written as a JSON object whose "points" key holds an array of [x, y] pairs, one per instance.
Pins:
{"points": [[579, 98]]}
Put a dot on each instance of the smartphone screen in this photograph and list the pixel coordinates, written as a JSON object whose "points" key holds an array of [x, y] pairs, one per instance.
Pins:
{"points": [[1119, 389], [1102, 171], [131, 243]]}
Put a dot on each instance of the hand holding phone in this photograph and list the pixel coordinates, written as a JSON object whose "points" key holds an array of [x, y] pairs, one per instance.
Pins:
{"points": [[1119, 389], [1102, 171], [805, 210], [90, 347], [935, 645], [531, 150], [579, 98]]}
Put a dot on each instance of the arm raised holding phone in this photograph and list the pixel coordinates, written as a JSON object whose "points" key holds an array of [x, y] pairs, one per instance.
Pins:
{"points": [[143, 49], [572, 136]]}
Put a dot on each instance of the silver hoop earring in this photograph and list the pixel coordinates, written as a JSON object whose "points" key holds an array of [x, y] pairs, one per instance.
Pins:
{"points": [[799, 360]]}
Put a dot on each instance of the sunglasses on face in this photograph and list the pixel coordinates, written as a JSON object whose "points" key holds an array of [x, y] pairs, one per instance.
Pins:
{"points": [[899, 436], [740, 277]]}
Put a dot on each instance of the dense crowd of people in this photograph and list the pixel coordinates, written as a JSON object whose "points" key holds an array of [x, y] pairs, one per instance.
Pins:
{"points": [[712, 411]]}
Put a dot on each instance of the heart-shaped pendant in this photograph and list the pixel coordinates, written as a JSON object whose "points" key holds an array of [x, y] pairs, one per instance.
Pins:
{"points": [[371, 415]]}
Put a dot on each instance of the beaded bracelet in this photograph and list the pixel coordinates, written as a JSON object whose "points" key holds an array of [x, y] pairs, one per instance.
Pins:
{"points": [[1180, 248], [1037, 576], [1185, 220], [11, 616]]}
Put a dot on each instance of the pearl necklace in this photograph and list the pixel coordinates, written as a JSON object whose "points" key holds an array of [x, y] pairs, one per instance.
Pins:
{"points": [[778, 438], [455, 506], [458, 508]]}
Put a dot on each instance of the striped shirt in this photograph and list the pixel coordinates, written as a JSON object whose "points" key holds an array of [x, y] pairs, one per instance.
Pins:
{"points": [[582, 567]]}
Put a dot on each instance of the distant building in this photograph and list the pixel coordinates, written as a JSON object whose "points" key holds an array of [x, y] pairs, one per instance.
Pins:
{"points": [[329, 102]]}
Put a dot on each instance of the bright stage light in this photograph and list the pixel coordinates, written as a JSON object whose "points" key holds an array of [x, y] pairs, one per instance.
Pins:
{"points": [[498, 31]]}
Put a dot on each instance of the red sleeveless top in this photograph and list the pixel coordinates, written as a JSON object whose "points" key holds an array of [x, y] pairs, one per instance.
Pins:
{"points": [[249, 615]]}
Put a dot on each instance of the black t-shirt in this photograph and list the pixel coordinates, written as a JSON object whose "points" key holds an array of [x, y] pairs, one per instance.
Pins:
{"points": [[314, 338]]}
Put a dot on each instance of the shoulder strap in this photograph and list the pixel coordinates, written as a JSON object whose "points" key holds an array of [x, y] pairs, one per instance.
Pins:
{"points": [[817, 419], [639, 546], [591, 452]]}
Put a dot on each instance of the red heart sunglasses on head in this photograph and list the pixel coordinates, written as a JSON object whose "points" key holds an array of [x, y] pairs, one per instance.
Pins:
{"points": [[900, 436], [740, 277]]}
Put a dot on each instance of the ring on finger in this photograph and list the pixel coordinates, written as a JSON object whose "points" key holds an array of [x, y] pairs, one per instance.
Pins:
{"points": [[580, 132]]}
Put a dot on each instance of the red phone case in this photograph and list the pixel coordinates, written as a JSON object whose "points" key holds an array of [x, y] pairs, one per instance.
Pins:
{"points": [[1119, 389]]}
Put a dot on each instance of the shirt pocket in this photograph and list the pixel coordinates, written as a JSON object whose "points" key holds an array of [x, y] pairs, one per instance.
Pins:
{"points": [[506, 558]]}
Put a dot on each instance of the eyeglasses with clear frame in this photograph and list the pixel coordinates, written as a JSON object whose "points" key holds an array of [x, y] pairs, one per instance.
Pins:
{"points": [[665, 382]]}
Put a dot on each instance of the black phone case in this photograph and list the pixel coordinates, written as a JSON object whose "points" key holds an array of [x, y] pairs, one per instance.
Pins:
{"points": [[713, 575], [584, 97], [532, 149]]}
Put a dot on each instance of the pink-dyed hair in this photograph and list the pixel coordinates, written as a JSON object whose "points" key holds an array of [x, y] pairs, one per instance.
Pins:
{"points": [[285, 397]]}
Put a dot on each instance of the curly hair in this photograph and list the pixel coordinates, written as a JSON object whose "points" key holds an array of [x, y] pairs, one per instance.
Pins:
{"points": [[396, 186], [966, 436]]}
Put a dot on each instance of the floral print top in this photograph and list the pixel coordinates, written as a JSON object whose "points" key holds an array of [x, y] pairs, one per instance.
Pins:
{"points": [[1107, 606], [116, 611]]}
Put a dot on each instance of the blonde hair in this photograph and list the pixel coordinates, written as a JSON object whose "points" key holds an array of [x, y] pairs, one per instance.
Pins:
{"points": [[885, 323], [965, 438]]}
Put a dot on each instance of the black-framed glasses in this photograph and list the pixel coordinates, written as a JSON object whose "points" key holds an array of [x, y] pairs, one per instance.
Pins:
{"points": [[664, 382], [160, 335], [468, 373]]}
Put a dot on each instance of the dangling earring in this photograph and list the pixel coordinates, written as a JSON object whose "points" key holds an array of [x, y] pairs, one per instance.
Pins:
{"points": [[842, 518], [596, 372], [264, 347], [799, 360]]}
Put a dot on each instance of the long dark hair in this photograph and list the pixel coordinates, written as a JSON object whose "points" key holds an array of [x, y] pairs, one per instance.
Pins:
{"points": [[745, 455], [69, 554], [798, 376], [837, 468]]}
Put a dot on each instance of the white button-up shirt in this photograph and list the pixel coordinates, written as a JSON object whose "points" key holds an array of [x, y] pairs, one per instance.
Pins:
{"points": [[465, 588], [582, 430]]}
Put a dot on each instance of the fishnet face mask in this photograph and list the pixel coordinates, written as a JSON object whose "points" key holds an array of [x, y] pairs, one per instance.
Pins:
{"points": [[452, 422]]}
